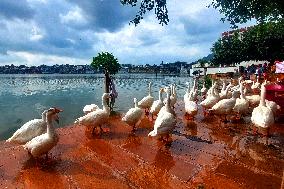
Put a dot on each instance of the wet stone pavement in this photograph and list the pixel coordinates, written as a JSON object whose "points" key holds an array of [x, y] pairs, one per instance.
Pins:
{"points": [[203, 154]]}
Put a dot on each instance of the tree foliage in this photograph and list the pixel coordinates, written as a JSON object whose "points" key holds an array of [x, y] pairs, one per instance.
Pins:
{"points": [[235, 11], [202, 62], [107, 62], [241, 11], [261, 42], [160, 7]]}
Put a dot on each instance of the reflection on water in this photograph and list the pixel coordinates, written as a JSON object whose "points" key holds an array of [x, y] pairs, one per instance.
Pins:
{"points": [[24, 97]]}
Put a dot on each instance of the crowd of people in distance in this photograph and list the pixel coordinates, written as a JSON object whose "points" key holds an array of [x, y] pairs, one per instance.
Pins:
{"points": [[255, 71]]}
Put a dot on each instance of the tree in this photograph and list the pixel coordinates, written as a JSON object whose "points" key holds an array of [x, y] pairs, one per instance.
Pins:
{"points": [[107, 63], [160, 7], [241, 11], [235, 11], [262, 42], [202, 62]]}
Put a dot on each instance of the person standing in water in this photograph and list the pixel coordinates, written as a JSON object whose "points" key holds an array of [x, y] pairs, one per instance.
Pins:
{"points": [[113, 93]]}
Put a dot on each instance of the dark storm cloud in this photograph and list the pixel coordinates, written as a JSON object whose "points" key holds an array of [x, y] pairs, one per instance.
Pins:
{"points": [[57, 38], [11, 9], [106, 14]]}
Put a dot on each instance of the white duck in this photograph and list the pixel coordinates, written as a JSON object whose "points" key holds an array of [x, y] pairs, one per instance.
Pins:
{"points": [[273, 106], [134, 115], [211, 99], [157, 105], [90, 108], [247, 88], [30, 130], [190, 109], [223, 90], [212, 89], [147, 101], [262, 116], [225, 106], [98, 117], [165, 122], [253, 100], [42, 144], [237, 87], [224, 93], [194, 91], [256, 85], [242, 104], [173, 97], [187, 93]]}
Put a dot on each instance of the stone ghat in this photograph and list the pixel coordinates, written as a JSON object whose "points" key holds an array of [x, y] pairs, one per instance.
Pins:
{"points": [[203, 154]]}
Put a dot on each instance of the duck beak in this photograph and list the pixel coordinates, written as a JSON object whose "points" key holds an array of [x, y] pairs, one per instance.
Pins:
{"points": [[57, 110]]}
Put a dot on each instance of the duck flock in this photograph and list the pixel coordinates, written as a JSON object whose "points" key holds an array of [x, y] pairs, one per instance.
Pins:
{"points": [[243, 98]]}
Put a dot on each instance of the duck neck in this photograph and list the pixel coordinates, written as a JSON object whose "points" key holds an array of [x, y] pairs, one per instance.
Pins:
{"points": [[150, 92], [174, 90], [168, 103], [135, 103], [242, 96], [160, 95], [194, 84], [262, 95], [188, 88], [224, 86], [214, 91], [49, 129], [240, 81], [227, 89], [43, 116]]}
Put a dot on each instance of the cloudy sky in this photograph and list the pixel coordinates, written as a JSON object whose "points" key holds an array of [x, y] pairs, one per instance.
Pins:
{"points": [[35, 32]]}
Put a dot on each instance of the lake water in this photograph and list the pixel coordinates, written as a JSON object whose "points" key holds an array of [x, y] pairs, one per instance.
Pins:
{"points": [[24, 97]]}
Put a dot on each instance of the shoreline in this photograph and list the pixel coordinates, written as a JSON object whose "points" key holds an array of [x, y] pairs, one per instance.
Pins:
{"points": [[233, 158]]}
